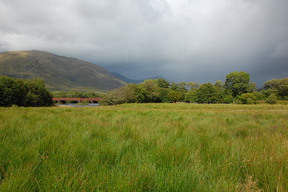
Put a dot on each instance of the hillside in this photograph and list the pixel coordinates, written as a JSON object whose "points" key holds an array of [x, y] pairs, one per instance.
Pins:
{"points": [[59, 73], [135, 81]]}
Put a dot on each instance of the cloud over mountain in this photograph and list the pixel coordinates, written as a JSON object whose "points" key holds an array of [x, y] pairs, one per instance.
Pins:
{"points": [[184, 40]]}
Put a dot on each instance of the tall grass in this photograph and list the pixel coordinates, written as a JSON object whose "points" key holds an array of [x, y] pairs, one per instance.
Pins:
{"points": [[145, 147]]}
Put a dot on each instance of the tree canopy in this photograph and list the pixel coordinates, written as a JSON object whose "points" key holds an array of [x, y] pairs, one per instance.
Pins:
{"points": [[237, 83], [279, 87], [24, 92], [208, 93]]}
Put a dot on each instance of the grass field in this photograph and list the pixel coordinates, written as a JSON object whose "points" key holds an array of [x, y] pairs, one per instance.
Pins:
{"points": [[145, 147]]}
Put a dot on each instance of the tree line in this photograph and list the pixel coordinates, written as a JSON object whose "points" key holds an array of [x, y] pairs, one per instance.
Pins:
{"points": [[75, 94], [24, 92], [237, 88]]}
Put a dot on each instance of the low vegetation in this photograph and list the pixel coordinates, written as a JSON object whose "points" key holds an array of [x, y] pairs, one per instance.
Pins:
{"points": [[145, 147]]}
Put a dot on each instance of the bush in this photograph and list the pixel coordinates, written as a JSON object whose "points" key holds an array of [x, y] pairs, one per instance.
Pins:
{"points": [[259, 95], [272, 99], [248, 98], [228, 99], [114, 97]]}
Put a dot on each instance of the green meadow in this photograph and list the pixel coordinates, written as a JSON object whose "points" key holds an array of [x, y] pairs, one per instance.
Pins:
{"points": [[145, 147]]}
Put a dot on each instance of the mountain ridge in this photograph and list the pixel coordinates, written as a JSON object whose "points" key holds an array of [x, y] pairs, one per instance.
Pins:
{"points": [[59, 72]]}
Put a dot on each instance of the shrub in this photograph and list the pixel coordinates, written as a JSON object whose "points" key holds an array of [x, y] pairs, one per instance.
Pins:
{"points": [[272, 99], [248, 98], [228, 99]]}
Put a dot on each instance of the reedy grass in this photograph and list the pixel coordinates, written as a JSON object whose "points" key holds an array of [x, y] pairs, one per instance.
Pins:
{"points": [[145, 147]]}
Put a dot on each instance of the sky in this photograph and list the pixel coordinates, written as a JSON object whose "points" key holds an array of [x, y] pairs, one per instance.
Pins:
{"points": [[180, 40]]}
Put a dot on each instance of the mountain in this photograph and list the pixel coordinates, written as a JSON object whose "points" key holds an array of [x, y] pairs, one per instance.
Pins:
{"points": [[135, 81], [59, 72]]}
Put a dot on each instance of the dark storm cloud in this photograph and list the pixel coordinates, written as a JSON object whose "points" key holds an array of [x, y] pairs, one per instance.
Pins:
{"points": [[184, 40]]}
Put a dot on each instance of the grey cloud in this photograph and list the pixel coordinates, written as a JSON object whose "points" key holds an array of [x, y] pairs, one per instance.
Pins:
{"points": [[189, 40]]}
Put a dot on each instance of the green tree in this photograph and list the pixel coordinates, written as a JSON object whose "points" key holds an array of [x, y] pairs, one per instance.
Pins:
{"points": [[164, 95], [75, 94], [283, 90], [151, 91], [191, 96], [259, 95], [278, 87], [175, 96], [272, 84], [114, 97], [192, 85], [237, 83], [208, 93], [59, 94], [91, 95], [268, 92], [133, 93], [180, 87], [162, 83], [37, 94], [219, 83], [12, 91], [24, 92], [228, 98]]}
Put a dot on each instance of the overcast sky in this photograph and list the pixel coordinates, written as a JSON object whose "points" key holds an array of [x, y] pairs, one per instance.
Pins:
{"points": [[181, 40]]}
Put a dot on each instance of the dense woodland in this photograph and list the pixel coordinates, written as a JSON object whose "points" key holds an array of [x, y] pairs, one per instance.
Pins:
{"points": [[24, 92], [237, 88]]}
